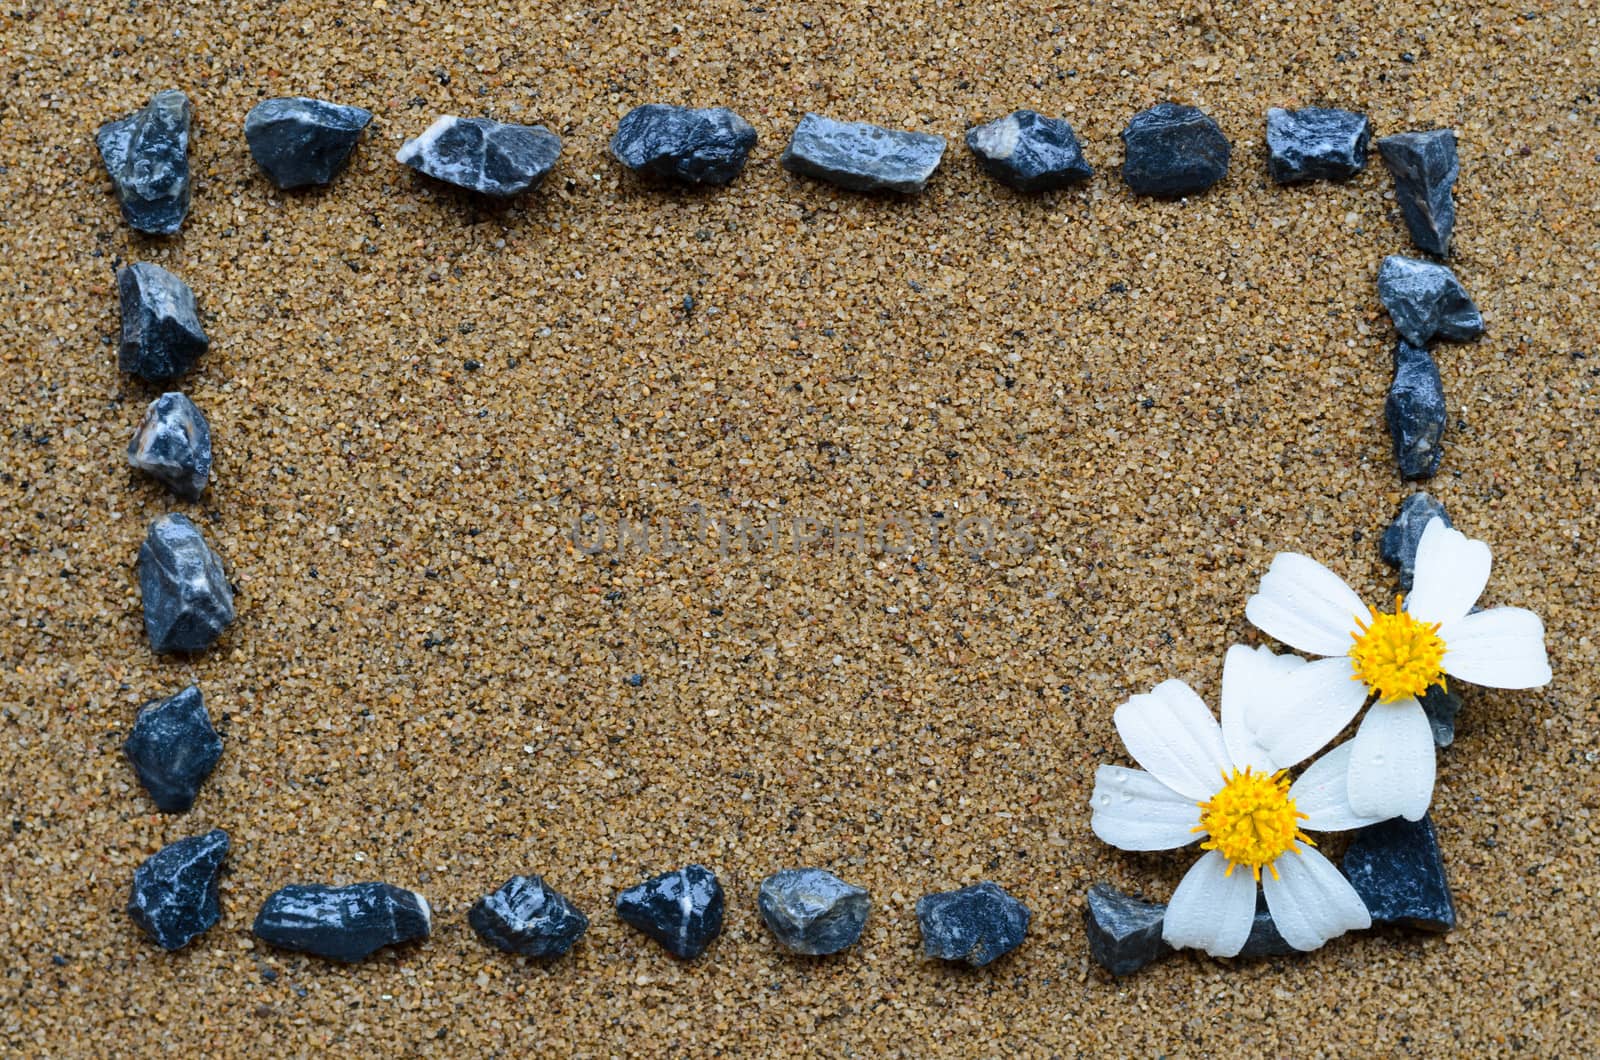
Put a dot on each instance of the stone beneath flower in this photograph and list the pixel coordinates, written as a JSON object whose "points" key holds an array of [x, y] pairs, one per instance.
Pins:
{"points": [[489, 157], [1218, 785], [147, 156], [1395, 657], [1397, 868], [1398, 546], [173, 444]]}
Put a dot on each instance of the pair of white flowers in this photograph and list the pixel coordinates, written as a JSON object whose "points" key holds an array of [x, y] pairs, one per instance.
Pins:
{"points": [[1227, 785]]}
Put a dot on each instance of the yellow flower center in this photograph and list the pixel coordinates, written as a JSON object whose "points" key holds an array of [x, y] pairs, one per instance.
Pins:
{"points": [[1397, 656], [1252, 820]]}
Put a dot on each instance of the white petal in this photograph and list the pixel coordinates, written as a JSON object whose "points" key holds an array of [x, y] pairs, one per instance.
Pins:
{"points": [[1135, 811], [1211, 910], [1250, 682], [1311, 901], [1172, 734], [1452, 570], [1499, 648], [1314, 702], [1306, 606], [1323, 794], [1391, 762]]}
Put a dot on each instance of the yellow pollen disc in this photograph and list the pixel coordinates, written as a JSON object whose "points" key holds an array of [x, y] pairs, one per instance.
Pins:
{"points": [[1397, 656], [1252, 820]]}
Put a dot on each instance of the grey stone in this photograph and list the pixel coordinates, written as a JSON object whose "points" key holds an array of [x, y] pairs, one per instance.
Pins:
{"points": [[1173, 150], [682, 909], [173, 444], [173, 749], [147, 155], [343, 923], [1124, 932], [174, 896], [526, 916], [1316, 143], [489, 157], [862, 157], [975, 924], [1264, 939], [187, 599], [161, 332], [812, 911], [1426, 301], [1398, 870], [299, 142], [1441, 706], [1029, 152], [1425, 168], [1416, 412], [1398, 546], [689, 145]]}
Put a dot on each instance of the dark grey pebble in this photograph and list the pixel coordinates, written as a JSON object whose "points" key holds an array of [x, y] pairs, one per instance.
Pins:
{"points": [[526, 916], [1398, 546], [147, 155], [1441, 705], [173, 749], [812, 911], [1029, 152], [173, 444], [1416, 412], [299, 142], [682, 910], [1425, 169], [187, 599], [1316, 143], [1426, 301], [343, 923], [1398, 870], [1173, 150], [1124, 932], [862, 157], [975, 924], [175, 891], [1264, 939], [489, 157], [690, 145], [161, 333]]}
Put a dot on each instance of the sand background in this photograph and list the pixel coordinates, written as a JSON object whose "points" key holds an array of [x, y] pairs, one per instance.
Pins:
{"points": [[429, 684]]}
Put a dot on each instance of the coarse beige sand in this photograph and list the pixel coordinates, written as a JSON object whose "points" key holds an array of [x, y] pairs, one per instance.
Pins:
{"points": [[414, 394]]}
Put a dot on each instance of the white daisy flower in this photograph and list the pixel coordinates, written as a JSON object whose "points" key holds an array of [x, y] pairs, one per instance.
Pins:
{"points": [[1394, 657], [1219, 785]]}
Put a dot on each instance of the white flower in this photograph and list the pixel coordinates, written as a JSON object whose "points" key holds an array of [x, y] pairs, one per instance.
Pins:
{"points": [[1218, 784], [1394, 657]]}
